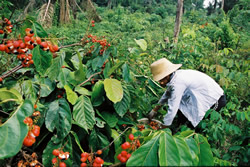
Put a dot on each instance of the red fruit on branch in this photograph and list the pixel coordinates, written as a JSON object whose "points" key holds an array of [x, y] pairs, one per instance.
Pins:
{"points": [[1, 79], [131, 137], [62, 164], [92, 21], [29, 141], [1, 31], [83, 165], [54, 160], [36, 130], [99, 152], [28, 121], [2, 47], [55, 152]]}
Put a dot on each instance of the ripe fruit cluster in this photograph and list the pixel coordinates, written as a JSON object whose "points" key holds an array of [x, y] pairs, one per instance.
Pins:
{"points": [[60, 158], [125, 155], [103, 42], [154, 125], [87, 159], [7, 27], [30, 160], [34, 131], [23, 47], [93, 23]]}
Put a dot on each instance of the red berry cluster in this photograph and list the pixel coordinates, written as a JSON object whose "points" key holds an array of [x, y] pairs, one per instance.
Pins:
{"points": [[36, 113], [103, 42], [125, 155], [21, 47], [7, 27], [93, 23], [60, 157], [34, 131], [87, 159]]}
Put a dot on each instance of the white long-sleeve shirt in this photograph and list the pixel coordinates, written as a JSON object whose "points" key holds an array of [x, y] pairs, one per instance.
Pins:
{"points": [[193, 93]]}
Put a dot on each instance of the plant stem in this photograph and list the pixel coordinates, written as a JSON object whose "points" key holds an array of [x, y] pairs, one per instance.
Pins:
{"points": [[18, 67], [91, 76]]}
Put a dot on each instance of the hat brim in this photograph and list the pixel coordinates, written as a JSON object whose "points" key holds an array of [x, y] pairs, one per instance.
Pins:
{"points": [[166, 73]]}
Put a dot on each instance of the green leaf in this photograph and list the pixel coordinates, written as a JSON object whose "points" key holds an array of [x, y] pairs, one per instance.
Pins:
{"points": [[14, 130], [63, 77], [117, 140], [42, 59], [122, 107], [77, 140], [185, 155], [168, 151], [47, 155], [53, 71], [194, 149], [38, 30], [98, 92], [142, 43], [205, 156], [110, 118], [29, 89], [112, 70], [71, 95], [146, 155], [82, 91], [98, 141], [126, 73], [7, 95], [59, 117], [47, 86], [83, 113], [80, 74], [113, 90]]}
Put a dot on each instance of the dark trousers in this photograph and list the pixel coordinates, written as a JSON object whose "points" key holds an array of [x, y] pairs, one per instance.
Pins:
{"points": [[182, 120]]}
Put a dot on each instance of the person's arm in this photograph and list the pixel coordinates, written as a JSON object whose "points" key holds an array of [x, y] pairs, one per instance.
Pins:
{"points": [[174, 103], [153, 112]]}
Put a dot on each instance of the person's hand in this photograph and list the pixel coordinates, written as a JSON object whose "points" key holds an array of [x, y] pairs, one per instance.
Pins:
{"points": [[151, 115]]}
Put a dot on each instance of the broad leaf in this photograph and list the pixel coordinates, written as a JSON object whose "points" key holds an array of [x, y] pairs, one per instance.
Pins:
{"points": [[126, 73], [63, 77], [83, 113], [194, 149], [122, 107], [66, 144], [55, 68], [146, 155], [14, 130], [110, 118], [98, 141], [184, 152], [168, 151], [112, 70], [38, 30], [142, 43], [29, 89], [10, 95], [82, 91], [98, 92], [42, 59], [47, 86], [71, 95], [59, 117], [113, 90], [80, 74], [206, 155]]}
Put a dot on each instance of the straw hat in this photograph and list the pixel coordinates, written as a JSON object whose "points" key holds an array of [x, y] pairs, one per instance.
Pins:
{"points": [[162, 68]]}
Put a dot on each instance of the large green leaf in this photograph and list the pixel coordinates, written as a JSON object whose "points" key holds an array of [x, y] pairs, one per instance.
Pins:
{"points": [[122, 107], [47, 86], [142, 43], [113, 90], [194, 149], [184, 152], [168, 151], [64, 78], [53, 71], [98, 92], [126, 73], [83, 113], [14, 130], [59, 117], [10, 95], [42, 59], [30, 89], [66, 144], [71, 95], [82, 91], [147, 154], [206, 155], [38, 30], [98, 141], [80, 74], [110, 118]]}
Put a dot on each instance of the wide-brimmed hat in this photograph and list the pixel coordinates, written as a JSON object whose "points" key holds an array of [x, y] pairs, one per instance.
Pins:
{"points": [[162, 68]]}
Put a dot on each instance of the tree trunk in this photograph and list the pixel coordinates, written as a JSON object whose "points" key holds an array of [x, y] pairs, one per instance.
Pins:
{"points": [[62, 11], [222, 4], [178, 20], [91, 11]]}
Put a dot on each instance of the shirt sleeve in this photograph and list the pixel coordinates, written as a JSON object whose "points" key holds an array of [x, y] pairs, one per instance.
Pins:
{"points": [[174, 102], [164, 98]]}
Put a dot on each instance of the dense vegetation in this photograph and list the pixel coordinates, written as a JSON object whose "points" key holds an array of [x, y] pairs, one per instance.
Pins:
{"points": [[88, 96]]}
